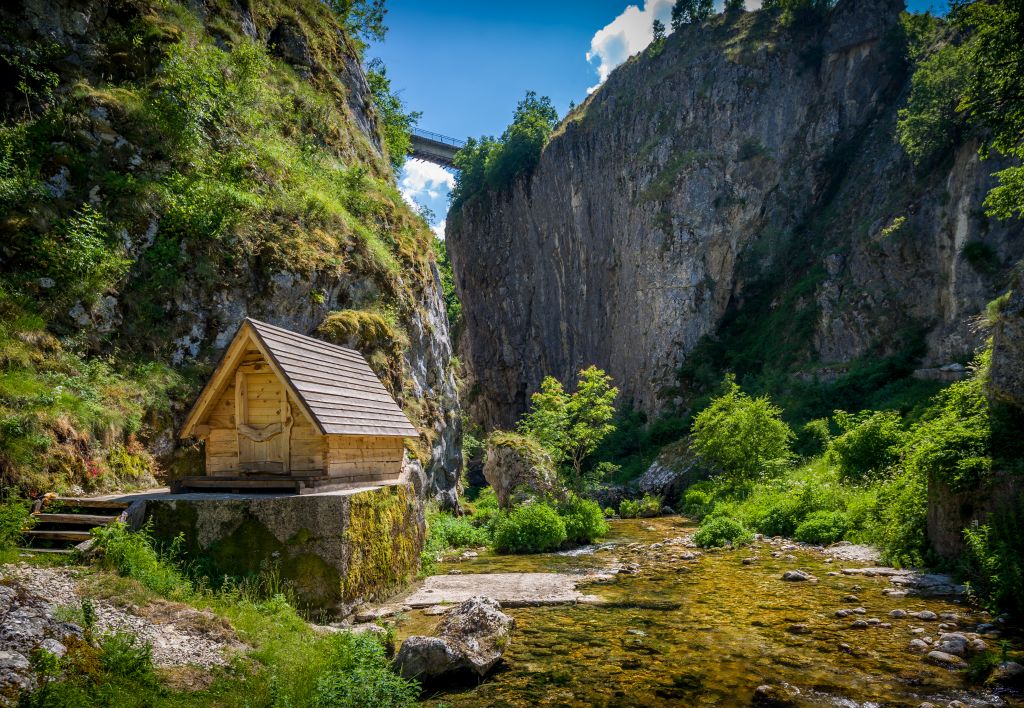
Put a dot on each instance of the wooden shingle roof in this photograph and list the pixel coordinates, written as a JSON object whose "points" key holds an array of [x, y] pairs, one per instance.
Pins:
{"points": [[335, 384]]}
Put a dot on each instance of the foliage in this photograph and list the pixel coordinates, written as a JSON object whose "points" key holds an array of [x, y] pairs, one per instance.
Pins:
{"points": [[489, 164], [868, 444], [124, 655], [452, 304], [718, 531], [647, 506], [571, 426], [800, 13], [357, 674], [994, 562], [446, 532], [15, 518], [686, 12], [362, 18], [583, 519], [733, 7], [898, 521], [396, 122], [976, 79], [530, 528], [658, 32], [822, 527], [134, 555], [744, 436]]}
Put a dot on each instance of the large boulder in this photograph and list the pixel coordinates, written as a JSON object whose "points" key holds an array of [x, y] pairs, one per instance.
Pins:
{"points": [[1006, 376], [470, 639], [672, 472], [518, 469]]}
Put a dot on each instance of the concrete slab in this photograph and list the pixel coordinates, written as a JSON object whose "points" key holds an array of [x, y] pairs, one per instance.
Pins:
{"points": [[164, 494], [509, 589]]}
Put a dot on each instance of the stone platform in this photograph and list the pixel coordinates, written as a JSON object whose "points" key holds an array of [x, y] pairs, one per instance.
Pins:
{"points": [[509, 589]]}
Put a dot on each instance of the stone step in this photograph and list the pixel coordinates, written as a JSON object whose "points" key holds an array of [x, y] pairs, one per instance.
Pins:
{"points": [[59, 551], [87, 503]]}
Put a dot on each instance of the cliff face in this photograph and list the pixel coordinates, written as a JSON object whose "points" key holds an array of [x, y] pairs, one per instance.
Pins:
{"points": [[743, 182], [173, 168]]}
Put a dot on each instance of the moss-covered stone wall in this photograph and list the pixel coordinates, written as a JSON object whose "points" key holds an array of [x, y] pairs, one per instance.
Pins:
{"points": [[332, 549]]}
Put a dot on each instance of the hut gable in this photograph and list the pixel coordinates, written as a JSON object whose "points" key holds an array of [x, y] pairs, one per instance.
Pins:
{"points": [[283, 403]]}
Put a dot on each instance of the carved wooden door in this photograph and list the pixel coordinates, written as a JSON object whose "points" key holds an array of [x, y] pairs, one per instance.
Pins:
{"points": [[263, 421]]}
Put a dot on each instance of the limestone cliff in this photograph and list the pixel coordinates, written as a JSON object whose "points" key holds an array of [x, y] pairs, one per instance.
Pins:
{"points": [[171, 168], [742, 185]]}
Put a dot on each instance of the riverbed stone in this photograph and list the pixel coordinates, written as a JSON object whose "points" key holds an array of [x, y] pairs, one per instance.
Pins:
{"points": [[798, 576], [955, 644], [898, 614], [1008, 673], [926, 616], [919, 646], [471, 638], [946, 661], [775, 696]]}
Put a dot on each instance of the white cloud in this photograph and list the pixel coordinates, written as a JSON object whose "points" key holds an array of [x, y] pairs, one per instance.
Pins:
{"points": [[631, 32], [424, 182], [626, 35], [438, 229]]}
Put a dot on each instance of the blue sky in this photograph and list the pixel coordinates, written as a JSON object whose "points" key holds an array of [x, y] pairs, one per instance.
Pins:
{"points": [[465, 64]]}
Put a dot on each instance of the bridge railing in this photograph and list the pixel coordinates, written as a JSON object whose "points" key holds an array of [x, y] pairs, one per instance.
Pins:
{"points": [[438, 138]]}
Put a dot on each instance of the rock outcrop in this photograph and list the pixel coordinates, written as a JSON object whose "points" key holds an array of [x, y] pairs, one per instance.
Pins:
{"points": [[518, 468], [471, 638], [741, 186]]}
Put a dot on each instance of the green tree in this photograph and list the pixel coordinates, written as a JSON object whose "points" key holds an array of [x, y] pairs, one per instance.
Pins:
{"points": [[800, 13], [974, 79], [571, 426], [744, 436], [658, 28], [396, 122], [686, 12], [734, 6], [868, 445], [364, 19]]}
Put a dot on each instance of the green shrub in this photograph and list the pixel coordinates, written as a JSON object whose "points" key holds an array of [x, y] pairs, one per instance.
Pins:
{"points": [[134, 555], [357, 675], [868, 445], [124, 655], [530, 528], [822, 527], [899, 523], [584, 520], [699, 499], [15, 519], [814, 438], [994, 563], [718, 531], [645, 507], [744, 436]]}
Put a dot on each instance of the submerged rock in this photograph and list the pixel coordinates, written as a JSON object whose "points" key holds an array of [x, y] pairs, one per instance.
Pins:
{"points": [[796, 576], [472, 637], [946, 661], [775, 696]]}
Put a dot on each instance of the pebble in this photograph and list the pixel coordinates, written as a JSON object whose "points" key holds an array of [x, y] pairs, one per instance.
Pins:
{"points": [[851, 598], [859, 611], [859, 624], [874, 621], [918, 646], [898, 614], [926, 615], [846, 648], [798, 629], [843, 613], [749, 561]]}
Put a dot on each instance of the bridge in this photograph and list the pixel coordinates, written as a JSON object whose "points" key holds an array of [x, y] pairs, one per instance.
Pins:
{"points": [[434, 147]]}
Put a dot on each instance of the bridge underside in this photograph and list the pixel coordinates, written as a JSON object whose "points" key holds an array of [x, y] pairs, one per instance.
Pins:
{"points": [[435, 151]]}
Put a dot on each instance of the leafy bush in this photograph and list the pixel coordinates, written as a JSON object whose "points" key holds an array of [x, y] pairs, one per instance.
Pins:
{"points": [[15, 518], [455, 531], [124, 655], [994, 562], [134, 555], [822, 527], [530, 528], [584, 520], [814, 437], [868, 445], [899, 523], [718, 531], [357, 675], [744, 436], [645, 507], [699, 499]]}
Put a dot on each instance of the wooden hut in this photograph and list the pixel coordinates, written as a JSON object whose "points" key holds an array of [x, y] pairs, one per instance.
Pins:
{"points": [[290, 412]]}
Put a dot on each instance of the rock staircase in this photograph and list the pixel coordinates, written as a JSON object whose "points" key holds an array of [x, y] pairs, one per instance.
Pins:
{"points": [[63, 523]]}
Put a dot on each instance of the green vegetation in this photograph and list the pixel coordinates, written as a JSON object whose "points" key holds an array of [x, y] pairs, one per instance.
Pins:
{"points": [[15, 518], [490, 165], [970, 77], [868, 482], [645, 507], [396, 122], [800, 13], [529, 528], [571, 426], [290, 664], [722, 531], [743, 436], [583, 519], [686, 12]]}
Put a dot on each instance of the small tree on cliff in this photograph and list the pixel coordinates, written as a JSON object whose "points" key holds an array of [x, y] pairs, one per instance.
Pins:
{"points": [[733, 7], [658, 27], [571, 426], [685, 12]]}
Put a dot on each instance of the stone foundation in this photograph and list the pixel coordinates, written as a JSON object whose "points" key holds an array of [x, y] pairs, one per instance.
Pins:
{"points": [[334, 549], [950, 512]]}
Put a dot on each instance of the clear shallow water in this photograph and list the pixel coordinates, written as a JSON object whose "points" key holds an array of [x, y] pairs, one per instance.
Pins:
{"points": [[708, 631]]}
